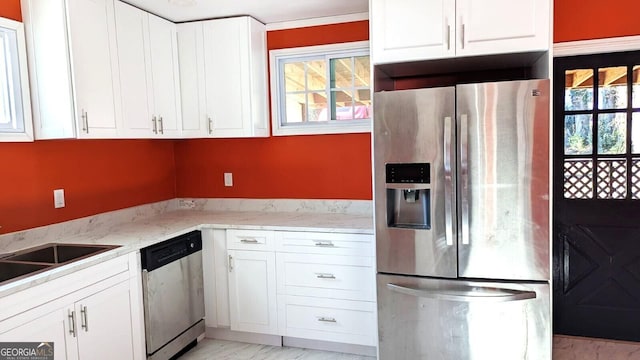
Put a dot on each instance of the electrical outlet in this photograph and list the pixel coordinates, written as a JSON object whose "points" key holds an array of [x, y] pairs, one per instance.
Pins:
{"points": [[58, 198], [228, 179], [186, 204]]}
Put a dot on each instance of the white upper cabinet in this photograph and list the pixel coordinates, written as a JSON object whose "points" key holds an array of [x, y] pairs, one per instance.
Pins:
{"points": [[165, 76], [502, 26], [131, 25], [411, 30], [147, 52], [223, 67], [94, 66], [73, 69]]}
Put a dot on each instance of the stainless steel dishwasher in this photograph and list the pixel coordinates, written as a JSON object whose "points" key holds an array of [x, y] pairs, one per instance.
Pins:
{"points": [[173, 295]]}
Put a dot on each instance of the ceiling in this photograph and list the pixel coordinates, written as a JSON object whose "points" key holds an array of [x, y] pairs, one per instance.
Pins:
{"points": [[266, 11]]}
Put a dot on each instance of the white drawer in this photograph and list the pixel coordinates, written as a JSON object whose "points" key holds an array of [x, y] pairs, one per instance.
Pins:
{"points": [[337, 277], [325, 243], [352, 322], [250, 240]]}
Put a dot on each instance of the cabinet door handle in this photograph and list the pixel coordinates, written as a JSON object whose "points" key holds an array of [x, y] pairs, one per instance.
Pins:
{"points": [[448, 37], [230, 263], [85, 121], [249, 241], [325, 276], [210, 125], [324, 244], [327, 319], [84, 323], [72, 322], [155, 125], [462, 36], [161, 125]]}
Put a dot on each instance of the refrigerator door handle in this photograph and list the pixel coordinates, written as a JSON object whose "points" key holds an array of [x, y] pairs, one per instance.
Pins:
{"points": [[466, 294], [464, 172], [448, 183]]}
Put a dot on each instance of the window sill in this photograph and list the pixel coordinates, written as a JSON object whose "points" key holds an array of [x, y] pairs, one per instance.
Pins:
{"points": [[307, 129]]}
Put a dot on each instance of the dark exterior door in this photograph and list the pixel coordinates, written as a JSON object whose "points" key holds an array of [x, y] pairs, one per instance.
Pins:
{"points": [[596, 182]]}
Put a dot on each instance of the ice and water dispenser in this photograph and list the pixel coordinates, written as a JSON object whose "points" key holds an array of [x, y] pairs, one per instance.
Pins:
{"points": [[408, 195]]}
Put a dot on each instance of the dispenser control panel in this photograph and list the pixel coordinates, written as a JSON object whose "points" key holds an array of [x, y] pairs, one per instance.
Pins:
{"points": [[416, 173]]}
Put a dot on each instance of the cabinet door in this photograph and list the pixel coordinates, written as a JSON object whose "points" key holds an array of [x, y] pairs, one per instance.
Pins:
{"points": [[252, 291], [192, 83], [94, 64], [502, 26], [131, 31], [165, 77], [409, 30], [105, 323], [226, 59], [52, 327]]}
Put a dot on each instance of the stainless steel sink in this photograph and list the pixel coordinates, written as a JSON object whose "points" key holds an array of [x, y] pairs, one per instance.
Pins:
{"points": [[58, 253], [13, 270], [36, 259]]}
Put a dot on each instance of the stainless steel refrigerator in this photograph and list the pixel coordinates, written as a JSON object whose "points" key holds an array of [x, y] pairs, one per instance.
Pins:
{"points": [[462, 222]]}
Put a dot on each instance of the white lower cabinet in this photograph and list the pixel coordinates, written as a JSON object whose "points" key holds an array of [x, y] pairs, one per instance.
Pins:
{"points": [[101, 321], [252, 291], [101, 316], [344, 321], [306, 285]]}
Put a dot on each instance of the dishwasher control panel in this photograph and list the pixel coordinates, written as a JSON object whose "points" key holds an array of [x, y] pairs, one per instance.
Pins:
{"points": [[170, 250]]}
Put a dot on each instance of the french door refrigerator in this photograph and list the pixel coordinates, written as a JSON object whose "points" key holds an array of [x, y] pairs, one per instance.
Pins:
{"points": [[462, 222]]}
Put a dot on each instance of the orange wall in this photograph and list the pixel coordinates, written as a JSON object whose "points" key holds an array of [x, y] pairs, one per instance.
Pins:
{"points": [[97, 176], [595, 19], [298, 167]]}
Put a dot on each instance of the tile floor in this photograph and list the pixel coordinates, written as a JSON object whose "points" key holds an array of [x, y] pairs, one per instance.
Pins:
{"points": [[231, 350]]}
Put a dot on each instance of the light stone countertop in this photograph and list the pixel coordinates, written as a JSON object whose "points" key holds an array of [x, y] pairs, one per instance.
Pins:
{"points": [[142, 232]]}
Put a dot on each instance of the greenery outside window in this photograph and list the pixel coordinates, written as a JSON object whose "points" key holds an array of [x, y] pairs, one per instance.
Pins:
{"points": [[321, 89], [15, 105]]}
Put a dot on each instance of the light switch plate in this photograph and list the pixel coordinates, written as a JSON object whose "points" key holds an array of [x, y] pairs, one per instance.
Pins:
{"points": [[228, 179], [58, 198]]}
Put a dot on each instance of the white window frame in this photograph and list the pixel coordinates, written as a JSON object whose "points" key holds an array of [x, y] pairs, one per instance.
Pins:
{"points": [[276, 57], [19, 82]]}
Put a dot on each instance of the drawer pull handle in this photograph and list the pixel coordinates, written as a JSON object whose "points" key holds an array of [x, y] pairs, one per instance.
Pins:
{"points": [[327, 319], [249, 241], [325, 276], [324, 244]]}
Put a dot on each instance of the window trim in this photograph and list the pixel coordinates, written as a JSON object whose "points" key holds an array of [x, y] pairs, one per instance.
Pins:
{"points": [[22, 87], [277, 129]]}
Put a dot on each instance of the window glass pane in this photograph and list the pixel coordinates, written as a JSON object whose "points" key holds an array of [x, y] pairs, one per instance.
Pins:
{"points": [[612, 179], [635, 133], [578, 93], [316, 75], [578, 179], [296, 109], [5, 90], [612, 87], [342, 73], [577, 134], [612, 133], [362, 71], [342, 107], [636, 86], [317, 106], [294, 76]]}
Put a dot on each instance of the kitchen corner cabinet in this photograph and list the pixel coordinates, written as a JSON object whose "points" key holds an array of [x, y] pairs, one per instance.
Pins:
{"points": [[148, 65], [224, 78], [73, 68], [413, 30], [100, 321]]}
